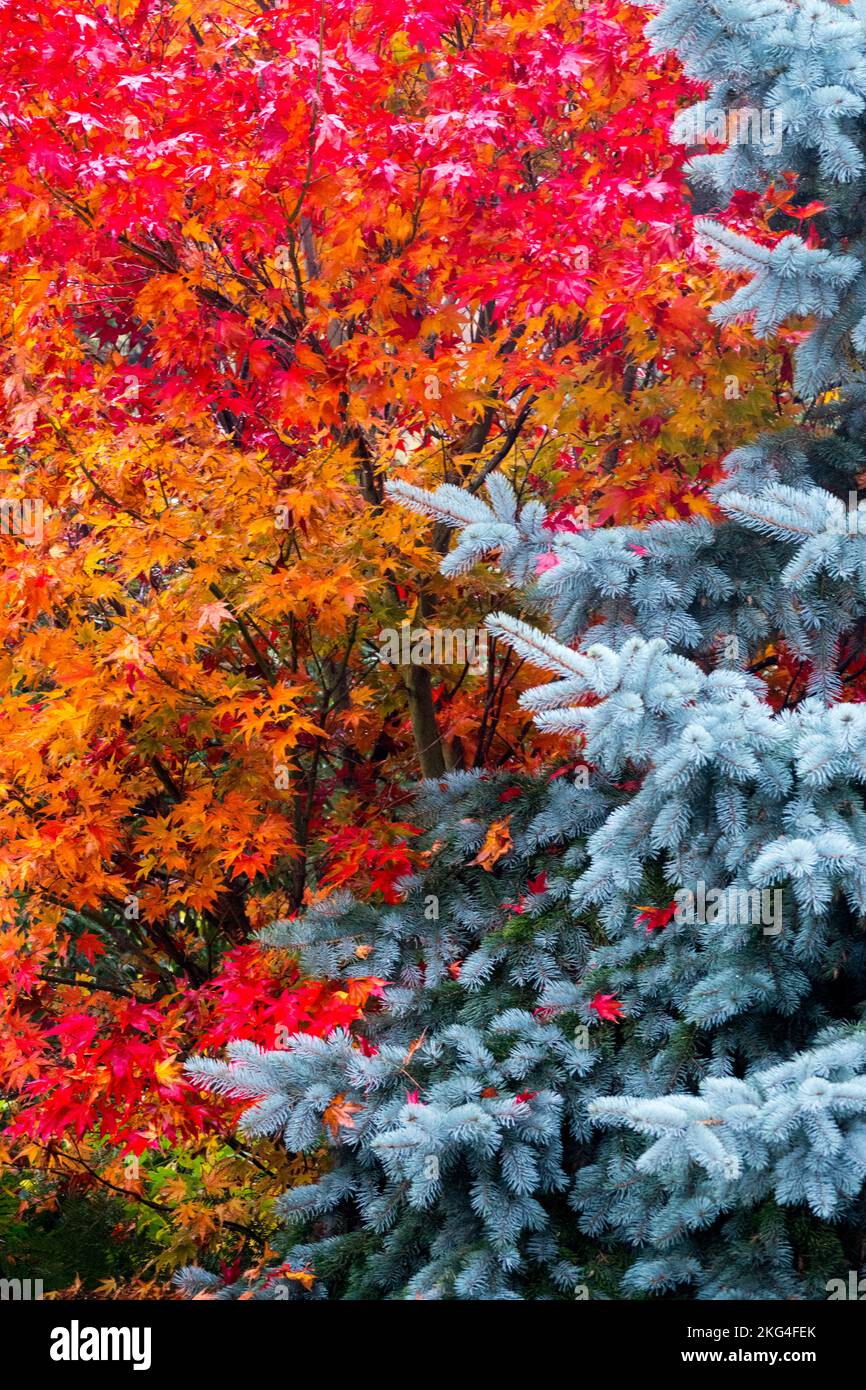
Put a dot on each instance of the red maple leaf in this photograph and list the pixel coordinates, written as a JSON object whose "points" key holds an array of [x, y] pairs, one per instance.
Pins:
{"points": [[608, 1008], [654, 918], [89, 946]]}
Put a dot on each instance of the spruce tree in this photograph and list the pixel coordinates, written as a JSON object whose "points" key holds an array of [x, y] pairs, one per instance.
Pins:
{"points": [[621, 1050]]}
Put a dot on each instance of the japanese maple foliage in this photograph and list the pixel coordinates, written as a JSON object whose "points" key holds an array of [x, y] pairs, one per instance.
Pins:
{"points": [[117, 1066]]}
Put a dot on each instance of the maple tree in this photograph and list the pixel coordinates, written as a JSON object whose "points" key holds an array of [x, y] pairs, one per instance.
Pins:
{"points": [[255, 260]]}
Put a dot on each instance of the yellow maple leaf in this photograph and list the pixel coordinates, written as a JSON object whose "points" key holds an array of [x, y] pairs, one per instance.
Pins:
{"points": [[166, 1071]]}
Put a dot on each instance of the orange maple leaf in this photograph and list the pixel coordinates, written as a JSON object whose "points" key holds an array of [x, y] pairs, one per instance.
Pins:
{"points": [[413, 1047], [300, 1276], [497, 842], [338, 1114]]}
